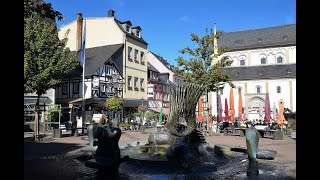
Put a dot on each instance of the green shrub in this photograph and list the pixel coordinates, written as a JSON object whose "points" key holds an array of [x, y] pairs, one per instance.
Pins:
{"points": [[292, 124]]}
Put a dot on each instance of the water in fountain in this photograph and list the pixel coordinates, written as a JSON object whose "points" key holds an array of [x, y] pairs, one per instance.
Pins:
{"points": [[155, 142], [181, 152]]}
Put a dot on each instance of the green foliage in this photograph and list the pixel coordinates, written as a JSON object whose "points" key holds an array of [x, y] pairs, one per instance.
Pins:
{"points": [[46, 59], [136, 114], [199, 68], [149, 115], [114, 104], [292, 124], [42, 9], [53, 114]]}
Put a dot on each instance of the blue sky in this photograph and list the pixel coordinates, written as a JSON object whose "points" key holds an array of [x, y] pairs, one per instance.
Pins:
{"points": [[167, 24]]}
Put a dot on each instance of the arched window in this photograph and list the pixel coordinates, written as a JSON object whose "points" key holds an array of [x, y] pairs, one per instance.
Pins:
{"points": [[258, 89], [278, 89], [242, 60], [280, 58], [263, 59]]}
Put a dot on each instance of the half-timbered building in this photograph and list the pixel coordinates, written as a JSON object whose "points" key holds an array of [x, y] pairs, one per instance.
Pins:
{"points": [[103, 80]]}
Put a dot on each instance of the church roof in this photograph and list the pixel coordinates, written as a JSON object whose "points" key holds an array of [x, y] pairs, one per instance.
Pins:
{"points": [[262, 72], [259, 38]]}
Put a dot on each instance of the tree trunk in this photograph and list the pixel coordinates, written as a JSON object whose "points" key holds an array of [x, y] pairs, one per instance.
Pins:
{"points": [[35, 129], [36, 119], [44, 119]]}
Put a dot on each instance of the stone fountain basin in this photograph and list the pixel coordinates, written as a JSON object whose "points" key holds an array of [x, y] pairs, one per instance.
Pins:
{"points": [[261, 154], [150, 148]]}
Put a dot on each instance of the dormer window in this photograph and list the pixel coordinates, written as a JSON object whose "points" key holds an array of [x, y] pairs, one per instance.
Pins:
{"points": [[138, 33], [127, 28], [126, 25], [136, 30]]}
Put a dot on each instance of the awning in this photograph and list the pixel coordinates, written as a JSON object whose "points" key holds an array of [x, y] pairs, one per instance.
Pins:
{"points": [[165, 111], [78, 100], [135, 102]]}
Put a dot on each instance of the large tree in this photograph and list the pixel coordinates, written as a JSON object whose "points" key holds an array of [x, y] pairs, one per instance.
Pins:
{"points": [[40, 8], [197, 66], [46, 59]]}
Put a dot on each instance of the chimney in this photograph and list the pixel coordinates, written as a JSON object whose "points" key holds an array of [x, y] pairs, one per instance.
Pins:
{"points": [[111, 13], [79, 31]]}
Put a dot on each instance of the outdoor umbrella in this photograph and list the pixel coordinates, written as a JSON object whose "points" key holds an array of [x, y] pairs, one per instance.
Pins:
{"points": [[160, 115], [267, 109], [281, 118], [231, 105], [274, 111], [240, 107], [200, 117], [246, 113], [226, 109], [219, 118]]}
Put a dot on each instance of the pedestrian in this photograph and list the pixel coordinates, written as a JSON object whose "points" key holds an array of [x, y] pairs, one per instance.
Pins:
{"points": [[103, 120], [137, 123]]}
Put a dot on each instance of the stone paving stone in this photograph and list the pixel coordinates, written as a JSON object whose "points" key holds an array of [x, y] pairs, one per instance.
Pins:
{"points": [[52, 163]]}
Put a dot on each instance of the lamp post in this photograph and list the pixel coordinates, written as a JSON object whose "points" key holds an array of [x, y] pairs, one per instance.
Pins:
{"points": [[219, 86], [142, 101]]}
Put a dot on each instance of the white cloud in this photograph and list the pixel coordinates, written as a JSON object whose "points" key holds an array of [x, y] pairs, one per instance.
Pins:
{"points": [[184, 19]]}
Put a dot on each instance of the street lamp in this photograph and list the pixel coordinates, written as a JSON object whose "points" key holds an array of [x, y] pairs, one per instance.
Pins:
{"points": [[142, 105], [219, 86]]}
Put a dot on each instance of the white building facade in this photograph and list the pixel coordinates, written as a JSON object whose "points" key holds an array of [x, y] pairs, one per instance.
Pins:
{"points": [[164, 67], [264, 61]]}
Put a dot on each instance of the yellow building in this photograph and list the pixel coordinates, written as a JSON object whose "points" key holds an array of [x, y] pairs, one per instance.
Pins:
{"points": [[102, 31]]}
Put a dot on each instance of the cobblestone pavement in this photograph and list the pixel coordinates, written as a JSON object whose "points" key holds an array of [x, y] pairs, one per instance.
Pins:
{"points": [[48, 160]]}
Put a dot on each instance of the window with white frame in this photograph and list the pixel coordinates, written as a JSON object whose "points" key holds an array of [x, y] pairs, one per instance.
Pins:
{"points": [[136, 52], [129, 82], [279, 58], [76, 87], [258, 88], [142, 57], [278, 89], [141, 83], [130, 53], [136, 82]]}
